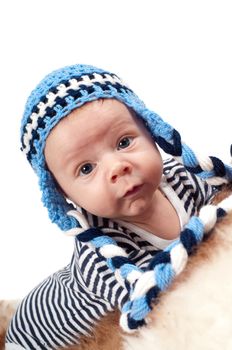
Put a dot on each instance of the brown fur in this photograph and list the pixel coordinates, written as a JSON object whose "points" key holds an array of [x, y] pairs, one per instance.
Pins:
{"points": [[106, 335], [2, 338], [7, 309]]}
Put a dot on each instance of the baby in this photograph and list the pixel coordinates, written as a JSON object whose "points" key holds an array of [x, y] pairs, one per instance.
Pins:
{"points": [[93, 144]]}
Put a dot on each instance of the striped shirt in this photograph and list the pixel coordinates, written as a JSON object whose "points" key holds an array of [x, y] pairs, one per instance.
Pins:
{"points": [[68, 304]]}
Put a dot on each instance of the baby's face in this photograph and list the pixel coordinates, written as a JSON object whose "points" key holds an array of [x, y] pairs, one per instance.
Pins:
{"points": [[105, 161]]}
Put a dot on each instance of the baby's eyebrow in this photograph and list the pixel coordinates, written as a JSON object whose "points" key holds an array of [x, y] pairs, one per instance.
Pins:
{"points": [[83, 148], [75, 156]]}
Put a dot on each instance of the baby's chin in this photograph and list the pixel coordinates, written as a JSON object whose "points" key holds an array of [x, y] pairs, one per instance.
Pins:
{"points": [[134, 212], [128, 211]]}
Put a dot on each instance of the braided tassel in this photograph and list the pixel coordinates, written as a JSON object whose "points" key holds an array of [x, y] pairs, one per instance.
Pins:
{"points": [[164, 267], [211, 169]]}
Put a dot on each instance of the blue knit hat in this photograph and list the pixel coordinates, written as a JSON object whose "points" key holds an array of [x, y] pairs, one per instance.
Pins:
{"points": [[70, 87]]}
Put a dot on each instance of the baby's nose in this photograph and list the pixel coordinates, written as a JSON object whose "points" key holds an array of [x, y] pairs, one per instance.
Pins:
{"points": [[119, 169]]}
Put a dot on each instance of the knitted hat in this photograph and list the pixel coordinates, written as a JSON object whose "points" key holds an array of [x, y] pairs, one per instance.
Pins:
{"points": [[70, 87]]}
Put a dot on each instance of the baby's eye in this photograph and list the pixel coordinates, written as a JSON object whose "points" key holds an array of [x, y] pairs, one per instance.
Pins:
{"points": [[124, 142], [86, 169]]}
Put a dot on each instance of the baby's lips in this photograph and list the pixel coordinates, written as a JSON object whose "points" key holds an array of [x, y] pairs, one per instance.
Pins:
{"points": [[132, 190]]}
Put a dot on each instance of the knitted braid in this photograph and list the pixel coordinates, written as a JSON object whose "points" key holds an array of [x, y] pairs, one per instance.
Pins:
{"points": [[145, 286], [165, 266], [209, 168]]}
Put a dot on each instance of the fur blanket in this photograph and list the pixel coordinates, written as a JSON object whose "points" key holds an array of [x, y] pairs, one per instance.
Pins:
{"points": [[7, 309], [195, 313]]}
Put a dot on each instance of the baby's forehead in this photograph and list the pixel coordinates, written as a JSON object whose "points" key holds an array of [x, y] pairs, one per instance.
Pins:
{"points": [[97, 123], [92, 105], [101, 104], [106, 108]]}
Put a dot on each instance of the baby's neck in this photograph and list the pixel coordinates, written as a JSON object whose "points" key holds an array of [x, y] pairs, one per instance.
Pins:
{"points": [[162, 220]]}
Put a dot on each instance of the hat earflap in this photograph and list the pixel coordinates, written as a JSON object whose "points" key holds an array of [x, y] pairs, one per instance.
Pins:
{"points": [[55, 202]]}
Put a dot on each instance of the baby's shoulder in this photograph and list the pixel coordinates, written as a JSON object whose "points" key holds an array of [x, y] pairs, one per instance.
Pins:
{"points": [[175, 174], [172, 167]]}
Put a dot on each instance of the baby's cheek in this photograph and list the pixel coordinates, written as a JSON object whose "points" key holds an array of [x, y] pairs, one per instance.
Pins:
{"points": [[99, 201], [155, 167], [107, 207]]}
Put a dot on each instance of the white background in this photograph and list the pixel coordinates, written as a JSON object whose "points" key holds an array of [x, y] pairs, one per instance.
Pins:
{"points": [[176, 55]]}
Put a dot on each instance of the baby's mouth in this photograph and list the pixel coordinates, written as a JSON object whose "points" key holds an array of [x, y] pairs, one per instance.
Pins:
{"points": [[134, 190]]}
